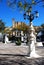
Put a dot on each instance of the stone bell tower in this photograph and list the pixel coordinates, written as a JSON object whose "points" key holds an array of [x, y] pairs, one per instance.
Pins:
{"points": [[13, 23]]}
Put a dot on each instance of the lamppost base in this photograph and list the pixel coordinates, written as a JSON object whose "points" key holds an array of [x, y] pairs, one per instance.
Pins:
{"points": [[35, 55]]}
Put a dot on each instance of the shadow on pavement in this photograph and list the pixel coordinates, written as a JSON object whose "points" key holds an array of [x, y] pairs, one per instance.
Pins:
{"points": [[12, 55], [10, 59]]}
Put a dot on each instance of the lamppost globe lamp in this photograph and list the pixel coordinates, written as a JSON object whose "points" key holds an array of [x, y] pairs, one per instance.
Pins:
{"points": [[30, 16], [24, 15], [37, 14]]}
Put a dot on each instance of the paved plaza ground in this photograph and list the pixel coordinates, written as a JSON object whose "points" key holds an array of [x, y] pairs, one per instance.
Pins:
{"points": [[12, 55]]}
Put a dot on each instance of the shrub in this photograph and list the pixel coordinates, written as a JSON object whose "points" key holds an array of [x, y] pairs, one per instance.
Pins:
{"points": [[18, 42]]}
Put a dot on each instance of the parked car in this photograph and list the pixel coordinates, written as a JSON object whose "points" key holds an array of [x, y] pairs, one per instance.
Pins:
{"points": [[40, 36]]}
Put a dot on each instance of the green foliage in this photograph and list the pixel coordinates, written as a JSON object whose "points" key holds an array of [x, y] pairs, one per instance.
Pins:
{"points": [[18, 42], [2, 26], [24, 4], [33, 2], [42, 25], [20, 4]]}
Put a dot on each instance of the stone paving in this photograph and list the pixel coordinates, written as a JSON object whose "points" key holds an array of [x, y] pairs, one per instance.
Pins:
{"points": [[21, 50], [12, 49], [21, 60], [8, 55]]}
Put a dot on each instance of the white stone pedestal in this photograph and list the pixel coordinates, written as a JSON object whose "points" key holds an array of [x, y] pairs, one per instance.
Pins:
{"points": [[7, 40], [39, 44]]}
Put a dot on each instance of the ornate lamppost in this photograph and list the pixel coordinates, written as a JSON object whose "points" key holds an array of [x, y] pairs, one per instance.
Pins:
{"points": [[31, 37]]}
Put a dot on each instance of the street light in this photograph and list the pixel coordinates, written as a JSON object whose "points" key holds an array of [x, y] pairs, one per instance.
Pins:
{"points": [[30, 16], [31, 39]]}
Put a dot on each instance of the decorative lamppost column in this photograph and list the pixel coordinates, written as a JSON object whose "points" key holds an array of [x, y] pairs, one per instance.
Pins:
{"points": [[31, 36], [32, 42]]}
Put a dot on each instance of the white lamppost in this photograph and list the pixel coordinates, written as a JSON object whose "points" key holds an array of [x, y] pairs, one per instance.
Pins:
{"points": [[31, 36]]}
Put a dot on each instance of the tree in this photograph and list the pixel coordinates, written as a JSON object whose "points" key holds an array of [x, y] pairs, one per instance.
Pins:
{"points": [[25, 5], [42, 25], [2, 26]]}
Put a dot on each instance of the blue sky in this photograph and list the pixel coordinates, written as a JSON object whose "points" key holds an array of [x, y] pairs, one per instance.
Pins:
{"points": [[7, 13]]}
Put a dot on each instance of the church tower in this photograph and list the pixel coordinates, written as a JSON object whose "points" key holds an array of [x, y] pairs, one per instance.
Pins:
{"points": [[13, 23]]}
